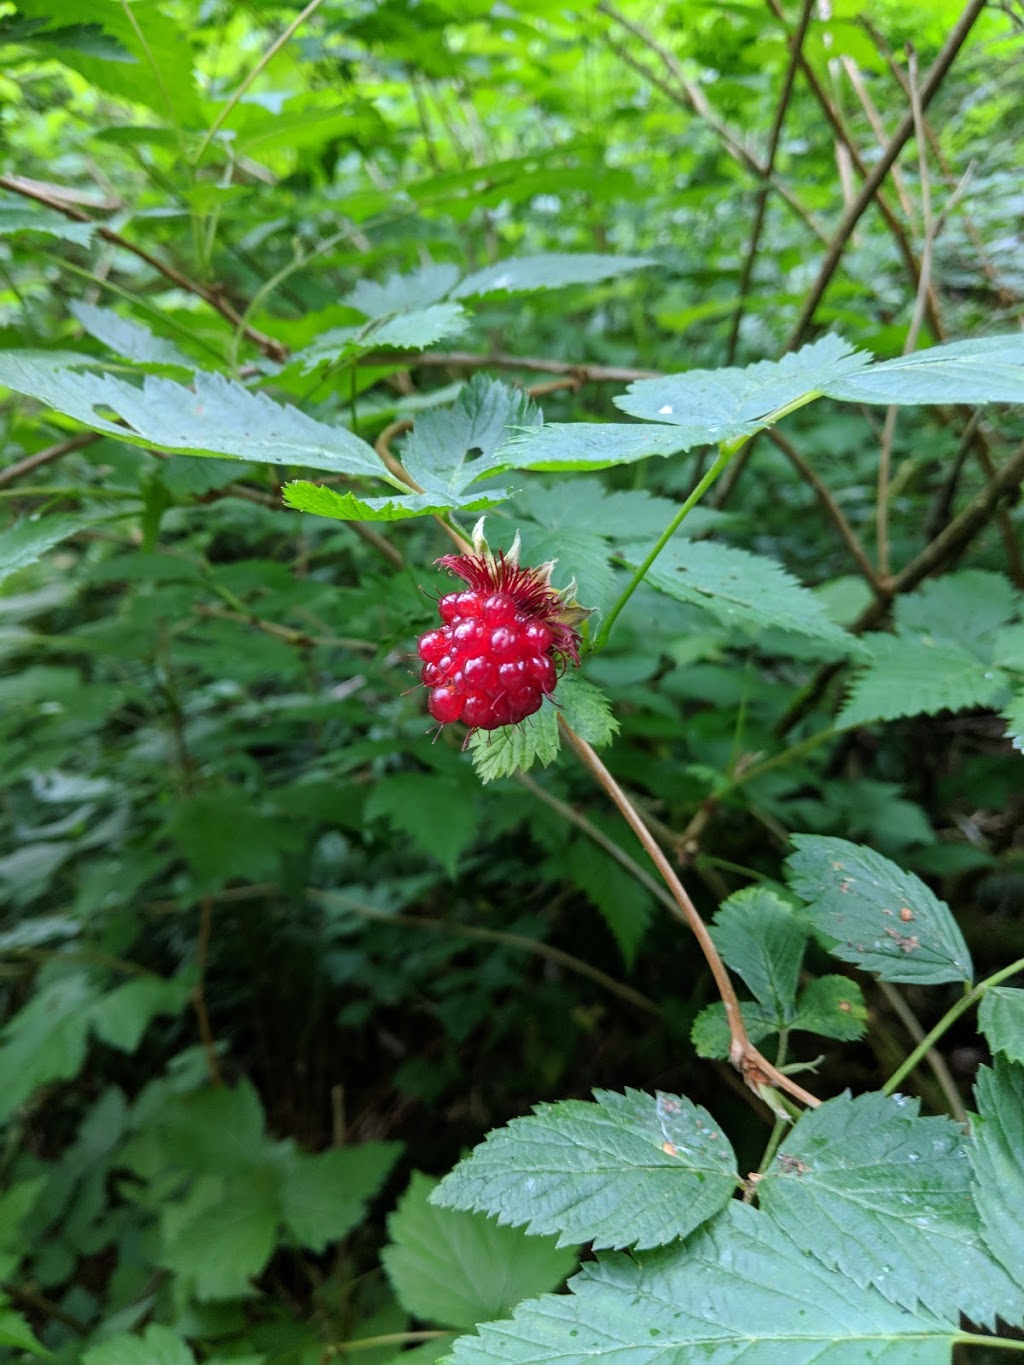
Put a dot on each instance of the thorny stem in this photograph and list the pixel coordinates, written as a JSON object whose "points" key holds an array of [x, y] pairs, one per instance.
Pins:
{"points": [[755, 1069], [966, 1001]]}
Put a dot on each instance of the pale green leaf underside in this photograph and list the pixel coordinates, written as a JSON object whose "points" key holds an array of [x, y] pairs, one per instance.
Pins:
{"points": [[914, 676], [28, 541], [738, 1291], [327, 502], [978, 370], [15, 217], [596, 445], [885, 920], [739, 588], [1001, 1020], [456, 1269], [883, 1196], [214, 417], [548, 270], [400, 293], [402, 332], [632, 1169], [127, 337], [735, 402], [997, 1160]]}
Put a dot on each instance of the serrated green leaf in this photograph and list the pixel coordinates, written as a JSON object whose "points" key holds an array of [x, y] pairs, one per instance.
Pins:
{"points": [[451, 448], [885, 920], [586, 709], [710, 1031], [1001, 1020], [914, 676], [127, 337], [403, 293], [155, 1346], [46, 1040], [996, 1150], [122, 1016], [979, 370], [967, 608], [456, 1269], [626, 906], [551, 270], [833, 1007], [16, 217], [590, 445], [216, 1131], [719, 405], [29, 540], [405, 331], [737, 1291], [1008, 647], [883, 1196], [225, 1237], [761, 940], [326, 502], [632, 1169], [738, 587], [439, 814], [213, 416], [15, 1331], [516, 748], [324, 1196]]}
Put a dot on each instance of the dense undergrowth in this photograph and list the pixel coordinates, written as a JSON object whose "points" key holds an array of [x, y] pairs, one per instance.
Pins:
{"points": [[287, 300]]}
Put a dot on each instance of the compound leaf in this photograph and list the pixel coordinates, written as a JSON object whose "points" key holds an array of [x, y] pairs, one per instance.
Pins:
{"points": [[883, 1196], [978, 370], [737, 1291], [327, 502], [591, 445], [885, 920], [452, 447], [720, 405], [213, 416], [632, 1169], [456, 1269], [127, 337]]}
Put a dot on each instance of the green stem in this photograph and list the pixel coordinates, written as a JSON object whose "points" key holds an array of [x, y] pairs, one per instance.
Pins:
{"points": [[996, 1343], [948, 1019], [388, 1339], [725, 453]]}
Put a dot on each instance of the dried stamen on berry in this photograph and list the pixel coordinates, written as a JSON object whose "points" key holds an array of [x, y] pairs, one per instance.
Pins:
{"points": [[504, 640]]}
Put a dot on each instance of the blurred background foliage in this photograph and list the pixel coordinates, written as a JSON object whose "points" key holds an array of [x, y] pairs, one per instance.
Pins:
{"points": [[267, 946]]}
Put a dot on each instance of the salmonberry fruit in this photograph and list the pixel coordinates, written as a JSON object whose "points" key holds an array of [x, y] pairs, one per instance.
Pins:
{"points": [[503, 642]]}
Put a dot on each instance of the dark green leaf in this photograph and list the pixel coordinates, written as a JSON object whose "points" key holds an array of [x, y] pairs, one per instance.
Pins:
{"points": [[1001, 1020], [323, 1197], [885, 920], [632, 1169], [997, 1159], [457, 1269], [760, 939]]}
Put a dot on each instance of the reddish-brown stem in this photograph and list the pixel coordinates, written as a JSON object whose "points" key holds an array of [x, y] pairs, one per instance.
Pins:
{"points": [[31, 463], [755, 1069], [273, 349]]}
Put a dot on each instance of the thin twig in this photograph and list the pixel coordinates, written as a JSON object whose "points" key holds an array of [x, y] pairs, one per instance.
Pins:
{"points": [[33, 462], [913, 331], [271, 52], [502, 360], [899, 139], [949, 543], [796, 43], [933, 1056], [755, 1069], [301, 639], [500, 936], [273, 349], [847, 534]]}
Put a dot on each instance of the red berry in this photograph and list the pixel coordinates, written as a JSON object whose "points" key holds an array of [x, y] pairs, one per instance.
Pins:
{"points": [[446, 704], [498, 653]]}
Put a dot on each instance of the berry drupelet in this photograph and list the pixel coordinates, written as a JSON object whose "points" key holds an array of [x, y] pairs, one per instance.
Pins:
{"points": [[504, 640]]}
